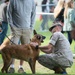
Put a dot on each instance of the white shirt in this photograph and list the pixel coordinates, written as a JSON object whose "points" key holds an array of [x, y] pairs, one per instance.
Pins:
{"points": [[1, 9]]}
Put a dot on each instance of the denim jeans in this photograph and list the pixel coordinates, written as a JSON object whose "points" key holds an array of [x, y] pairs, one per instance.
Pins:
{"points": [[44, 22], [4, 31]]}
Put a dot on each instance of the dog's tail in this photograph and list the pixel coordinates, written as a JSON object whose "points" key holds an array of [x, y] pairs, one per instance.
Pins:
{"points": [[5, 43], [1, 47]]}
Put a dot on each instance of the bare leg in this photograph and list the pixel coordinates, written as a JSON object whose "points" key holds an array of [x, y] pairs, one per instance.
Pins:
{"points": [[21, 62]]}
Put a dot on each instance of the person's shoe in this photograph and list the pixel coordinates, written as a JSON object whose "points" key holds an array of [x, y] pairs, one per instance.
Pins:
{"points": [[11, 70], [21, 70], [64, 72]]}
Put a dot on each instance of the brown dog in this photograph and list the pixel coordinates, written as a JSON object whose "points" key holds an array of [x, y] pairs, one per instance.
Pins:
{"points": [[25, 52]]}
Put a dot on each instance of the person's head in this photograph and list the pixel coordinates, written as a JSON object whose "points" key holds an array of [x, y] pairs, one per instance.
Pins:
{"points": [[61, 3], [56, 27], [6, 1], [68, 4], [44, 1]]}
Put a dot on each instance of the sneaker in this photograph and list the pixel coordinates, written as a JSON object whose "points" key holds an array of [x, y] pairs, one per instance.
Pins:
{"points": [[21, 70], [64, 72], [61, 73], [11, 70]]}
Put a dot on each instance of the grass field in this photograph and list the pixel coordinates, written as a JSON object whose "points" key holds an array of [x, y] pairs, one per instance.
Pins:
{"points": [[40, 70]]}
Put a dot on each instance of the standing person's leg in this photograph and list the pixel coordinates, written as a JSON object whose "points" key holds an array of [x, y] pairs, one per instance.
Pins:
{"points": [[25, 39], [69, 37], [51, 17], [44, 22], [15, 40], [46, 25], [4, 32]]}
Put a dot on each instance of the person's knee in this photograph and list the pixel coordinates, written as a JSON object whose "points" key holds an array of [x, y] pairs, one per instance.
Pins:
{"points": [[40, 59]]}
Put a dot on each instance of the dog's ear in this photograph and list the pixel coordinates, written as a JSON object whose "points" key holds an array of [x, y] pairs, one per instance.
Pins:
{"points": [[34, 32]]}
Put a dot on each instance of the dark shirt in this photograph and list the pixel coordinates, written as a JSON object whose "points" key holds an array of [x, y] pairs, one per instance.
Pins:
{"points": [[43, 8], [43, 5], [60, 17]]}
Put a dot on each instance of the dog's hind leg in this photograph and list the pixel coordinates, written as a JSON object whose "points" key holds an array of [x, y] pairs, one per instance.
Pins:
{"points": [[5, 68], [4, 62], [7, 62], [32, 65]]}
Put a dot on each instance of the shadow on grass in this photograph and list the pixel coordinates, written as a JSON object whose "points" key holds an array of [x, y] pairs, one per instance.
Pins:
{"points": [[30, 74], [24, 74], [12, 74]]}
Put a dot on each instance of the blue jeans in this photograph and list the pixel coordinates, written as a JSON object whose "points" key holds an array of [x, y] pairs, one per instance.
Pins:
{"points": [[4, 31], [44, 22]]}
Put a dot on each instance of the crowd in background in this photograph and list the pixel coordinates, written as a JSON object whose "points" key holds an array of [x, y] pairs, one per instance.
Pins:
{"points": [[52, 6]]}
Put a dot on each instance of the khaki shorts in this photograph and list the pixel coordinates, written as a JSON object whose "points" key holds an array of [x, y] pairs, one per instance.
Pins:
{"points": [[21, 35]]}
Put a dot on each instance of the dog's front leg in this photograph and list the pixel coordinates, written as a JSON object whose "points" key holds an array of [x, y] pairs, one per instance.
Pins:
{"points": [[32, 65]]}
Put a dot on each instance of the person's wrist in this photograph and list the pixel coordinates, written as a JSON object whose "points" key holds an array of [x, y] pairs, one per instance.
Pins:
{"points": [[37, 47]]}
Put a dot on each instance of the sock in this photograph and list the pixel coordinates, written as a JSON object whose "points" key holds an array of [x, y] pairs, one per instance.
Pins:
{"points": [[20, 66], [12, 66]]}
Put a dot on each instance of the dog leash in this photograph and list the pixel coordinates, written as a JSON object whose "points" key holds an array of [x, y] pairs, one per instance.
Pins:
{"points": [[10, 39], [1, 28]]}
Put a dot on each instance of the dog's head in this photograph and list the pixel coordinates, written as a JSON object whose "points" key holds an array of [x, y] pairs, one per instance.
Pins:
{"points": [[38, 38]]}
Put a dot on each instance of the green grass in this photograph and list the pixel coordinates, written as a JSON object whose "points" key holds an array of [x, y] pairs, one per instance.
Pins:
{"points": [[32, 74], [40, 70]]}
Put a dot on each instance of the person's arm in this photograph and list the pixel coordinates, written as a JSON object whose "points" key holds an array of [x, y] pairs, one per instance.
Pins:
{"points": [[55, 13], [33, 14], [46, 49], [9, 13], [72, 17]]}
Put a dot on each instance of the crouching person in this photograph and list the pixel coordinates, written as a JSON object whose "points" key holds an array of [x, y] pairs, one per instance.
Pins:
{"points": [[58, 55]]}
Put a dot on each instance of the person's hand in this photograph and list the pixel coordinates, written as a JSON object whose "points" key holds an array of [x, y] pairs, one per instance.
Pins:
{"points": [[34, 44]]}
